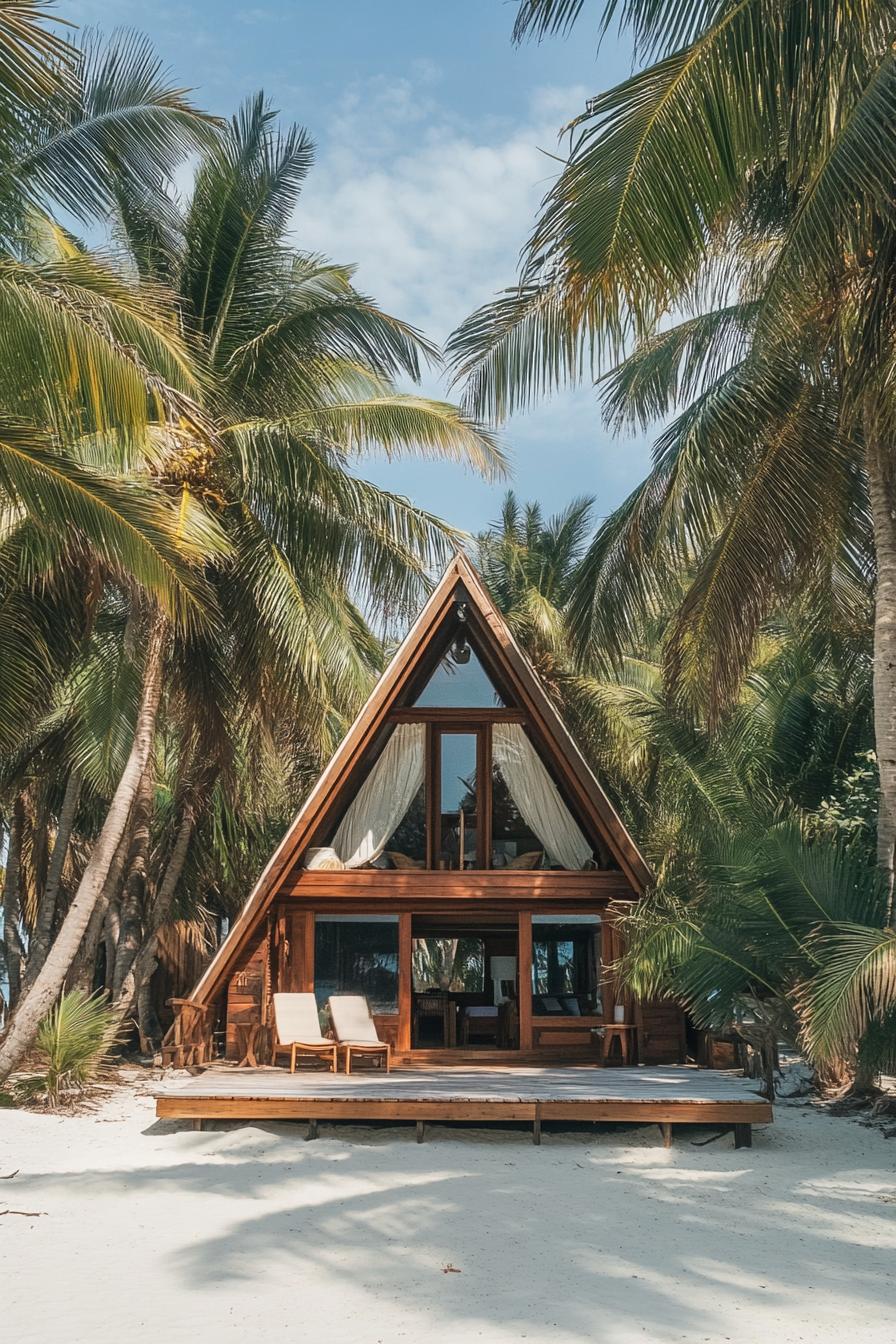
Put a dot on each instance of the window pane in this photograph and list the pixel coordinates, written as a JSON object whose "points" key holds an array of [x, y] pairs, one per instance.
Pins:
{"points": [[511, 837], [455, 964], [409, 840], [564, 968], [457, 800], [357, 956], [459, 686]]}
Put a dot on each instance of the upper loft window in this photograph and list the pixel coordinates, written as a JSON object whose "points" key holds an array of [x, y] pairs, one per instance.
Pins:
{"points": [[459, 682]]}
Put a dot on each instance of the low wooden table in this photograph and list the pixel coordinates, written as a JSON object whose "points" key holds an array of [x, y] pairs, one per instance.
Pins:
{"points": [[624, 1033]]}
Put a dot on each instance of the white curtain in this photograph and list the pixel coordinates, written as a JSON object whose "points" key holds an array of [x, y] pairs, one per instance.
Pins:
{"points": [[384, 797], [536, 795]]}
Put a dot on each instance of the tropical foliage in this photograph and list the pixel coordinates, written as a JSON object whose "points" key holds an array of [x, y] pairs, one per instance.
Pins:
{"points": [[194, 574], [768, 910], [72, 1043], [722, 234], [717, 250], [188, 560]]}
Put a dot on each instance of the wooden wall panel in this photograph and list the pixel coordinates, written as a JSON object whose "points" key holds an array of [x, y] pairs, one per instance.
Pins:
{"points": [[387, 1027], [422, 891], [296, 960], [246, 990]]}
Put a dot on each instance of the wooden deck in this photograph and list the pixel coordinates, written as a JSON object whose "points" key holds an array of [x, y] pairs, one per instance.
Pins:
{"points": [[663, 1096]]}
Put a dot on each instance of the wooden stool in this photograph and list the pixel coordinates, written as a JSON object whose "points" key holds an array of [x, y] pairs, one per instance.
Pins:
{"points": [[624, 1033]]}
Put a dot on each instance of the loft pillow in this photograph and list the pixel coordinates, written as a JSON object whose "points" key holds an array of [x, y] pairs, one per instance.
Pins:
{"points": [[403, 860], [530, 860]]}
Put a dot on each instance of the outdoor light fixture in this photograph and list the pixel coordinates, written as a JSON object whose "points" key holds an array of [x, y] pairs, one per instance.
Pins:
{"points": [[460, 649]]}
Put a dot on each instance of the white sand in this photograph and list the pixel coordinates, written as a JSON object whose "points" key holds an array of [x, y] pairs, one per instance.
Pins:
{"points": [[155, 1232]]}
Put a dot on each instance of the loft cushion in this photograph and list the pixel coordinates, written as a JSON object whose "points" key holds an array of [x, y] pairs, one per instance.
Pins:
{"points": [[295, 1016], [530, 860], [400, 860]]}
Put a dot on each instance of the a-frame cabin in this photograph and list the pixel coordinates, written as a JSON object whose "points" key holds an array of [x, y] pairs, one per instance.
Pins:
{"points": [[454, 863]]}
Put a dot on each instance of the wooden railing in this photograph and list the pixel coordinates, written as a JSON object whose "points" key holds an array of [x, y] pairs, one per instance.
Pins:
{"points": [[188, 1041]]}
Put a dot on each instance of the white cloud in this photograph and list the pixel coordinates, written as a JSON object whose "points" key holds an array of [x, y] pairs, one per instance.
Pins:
{"points": [[434, 210]]}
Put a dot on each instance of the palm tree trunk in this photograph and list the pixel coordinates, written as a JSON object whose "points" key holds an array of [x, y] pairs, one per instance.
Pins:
{"points": [[50, 979], [144, 964], [46, 911], [103, 927], [12, 883], [130, 933], [882, 494]]}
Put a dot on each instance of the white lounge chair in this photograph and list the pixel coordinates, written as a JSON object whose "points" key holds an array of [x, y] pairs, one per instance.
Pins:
{"points": [[298, 1032], [356, 1030]]}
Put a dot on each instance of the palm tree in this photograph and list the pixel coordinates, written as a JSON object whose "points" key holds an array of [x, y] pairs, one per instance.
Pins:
{"points": [[740, 179], [84, 355], [767, 905], [529, 564], [298, 376]]}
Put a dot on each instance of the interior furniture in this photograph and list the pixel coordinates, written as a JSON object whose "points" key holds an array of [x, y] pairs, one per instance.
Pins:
{"points": [[481, 1022], [565, 1030], [625, 1034], [356, 1030], [297, 1031], [503, 974], [441, 1006]]}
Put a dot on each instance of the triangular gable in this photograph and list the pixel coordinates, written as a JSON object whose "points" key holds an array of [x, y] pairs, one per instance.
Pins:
{"points": [[513, 672]]}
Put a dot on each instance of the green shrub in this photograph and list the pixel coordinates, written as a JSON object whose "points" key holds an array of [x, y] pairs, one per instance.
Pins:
{"points": [[72, 1044]]}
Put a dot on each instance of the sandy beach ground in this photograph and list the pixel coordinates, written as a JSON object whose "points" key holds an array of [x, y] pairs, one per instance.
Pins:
{"points": [[150, 1231]]}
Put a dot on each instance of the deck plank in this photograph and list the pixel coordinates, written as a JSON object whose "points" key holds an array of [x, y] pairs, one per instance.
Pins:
{"points": [[662, 1084]]}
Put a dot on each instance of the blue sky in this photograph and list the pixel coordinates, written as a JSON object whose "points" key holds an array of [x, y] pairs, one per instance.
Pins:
{"points": [[433, 138]]}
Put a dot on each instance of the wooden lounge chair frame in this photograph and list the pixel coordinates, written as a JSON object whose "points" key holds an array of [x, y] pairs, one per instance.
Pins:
{"points": [[353, 1045], [319, 1049], [383, 1048]]}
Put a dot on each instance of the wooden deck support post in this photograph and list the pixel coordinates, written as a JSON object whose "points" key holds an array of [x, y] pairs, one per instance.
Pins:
{"points": [[743, 1136], [421, 1130], [536, 1125], [666, 1131], [312, 1130], [524, 959], [405, 980]]}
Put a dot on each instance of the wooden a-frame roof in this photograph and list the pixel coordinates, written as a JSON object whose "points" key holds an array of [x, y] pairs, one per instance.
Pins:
{"points": [[487, 626]]}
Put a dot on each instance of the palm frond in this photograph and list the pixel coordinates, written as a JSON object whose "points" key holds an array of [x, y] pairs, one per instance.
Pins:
{"points": [[128, 523], [855, 989], [119, 120]]}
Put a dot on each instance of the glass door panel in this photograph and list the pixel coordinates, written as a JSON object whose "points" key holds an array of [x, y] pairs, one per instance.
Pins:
{"points": [[458, 821]]}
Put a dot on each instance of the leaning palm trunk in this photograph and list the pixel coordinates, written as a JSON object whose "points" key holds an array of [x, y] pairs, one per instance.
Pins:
{"points": [[46, 913], [144, 964], [882, 493], [50, 979], [130, 932], [83, 969]]}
